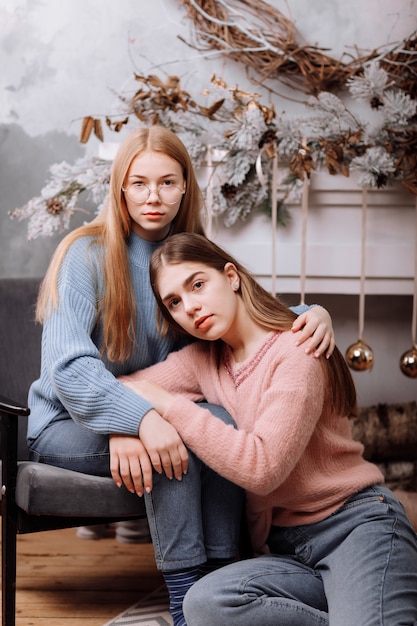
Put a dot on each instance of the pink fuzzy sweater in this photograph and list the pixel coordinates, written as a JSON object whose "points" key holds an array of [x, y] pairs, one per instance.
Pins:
{"points": [[296, 460]]}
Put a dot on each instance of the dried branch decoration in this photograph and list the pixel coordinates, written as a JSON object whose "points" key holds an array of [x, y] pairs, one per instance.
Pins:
{"points": [[237, 136], [264, 40]]}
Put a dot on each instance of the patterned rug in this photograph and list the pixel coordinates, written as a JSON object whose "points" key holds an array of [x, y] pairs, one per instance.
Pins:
{"points": [[150, 611]]}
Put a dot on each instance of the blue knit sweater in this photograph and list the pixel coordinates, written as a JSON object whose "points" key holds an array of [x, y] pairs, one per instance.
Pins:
{"points": [[75, 379]]}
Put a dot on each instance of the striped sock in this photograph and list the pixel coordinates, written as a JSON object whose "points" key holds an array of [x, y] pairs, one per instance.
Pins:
{"points": [[178, 582], [212, 564]]}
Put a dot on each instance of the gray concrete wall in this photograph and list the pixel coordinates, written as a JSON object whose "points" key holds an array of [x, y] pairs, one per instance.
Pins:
{"points": [[24, 163]]}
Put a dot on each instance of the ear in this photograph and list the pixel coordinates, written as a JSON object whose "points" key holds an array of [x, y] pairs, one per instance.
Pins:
{"points": [[232, 274]]}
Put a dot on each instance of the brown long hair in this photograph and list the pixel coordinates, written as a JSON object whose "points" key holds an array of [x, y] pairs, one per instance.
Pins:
{"points": [[263, 308], [111, 228]]}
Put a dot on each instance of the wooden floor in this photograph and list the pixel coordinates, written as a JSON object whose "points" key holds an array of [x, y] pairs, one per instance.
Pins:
{"points": [[66, 581]]}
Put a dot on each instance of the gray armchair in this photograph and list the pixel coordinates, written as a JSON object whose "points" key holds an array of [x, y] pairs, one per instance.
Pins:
{"points": [[34, 496]]}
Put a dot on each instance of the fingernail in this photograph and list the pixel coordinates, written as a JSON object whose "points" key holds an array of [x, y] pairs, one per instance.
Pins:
{"points": [[139, 493]]}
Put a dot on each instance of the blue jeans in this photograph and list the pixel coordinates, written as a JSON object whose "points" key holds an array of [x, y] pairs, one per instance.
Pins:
{"points": [[190, 521], [358, 567]]}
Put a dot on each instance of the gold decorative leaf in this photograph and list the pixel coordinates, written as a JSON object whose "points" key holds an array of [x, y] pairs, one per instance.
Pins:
{"points": [[211, 110], [172, 82], [98, 130], [155, 81], [117, 125], [86, 128], [302, 163]]}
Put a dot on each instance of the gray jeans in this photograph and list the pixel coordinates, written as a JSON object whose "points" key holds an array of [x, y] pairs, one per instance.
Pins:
{"points": [[357, 567]]}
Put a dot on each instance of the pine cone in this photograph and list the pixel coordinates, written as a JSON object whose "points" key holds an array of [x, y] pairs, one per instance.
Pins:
{"points": [[54, 206], [229, 191]]}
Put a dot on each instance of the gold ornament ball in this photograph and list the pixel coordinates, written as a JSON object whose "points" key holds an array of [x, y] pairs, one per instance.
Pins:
{"points": [[359, 356], [408, 362]]}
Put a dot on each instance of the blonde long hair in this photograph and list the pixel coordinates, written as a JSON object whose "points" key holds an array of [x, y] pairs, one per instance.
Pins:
{"points": [[263, 308], [111, 228]]}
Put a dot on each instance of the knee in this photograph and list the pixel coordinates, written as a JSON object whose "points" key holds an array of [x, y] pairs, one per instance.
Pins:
{"points": [[199, 604]]}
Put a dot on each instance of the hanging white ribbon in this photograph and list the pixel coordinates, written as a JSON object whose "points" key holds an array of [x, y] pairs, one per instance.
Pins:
{"points": [[304, 219], [274, 210], [209, 191], [274, 218], [258, 168], [414, 316], [363, 265]]}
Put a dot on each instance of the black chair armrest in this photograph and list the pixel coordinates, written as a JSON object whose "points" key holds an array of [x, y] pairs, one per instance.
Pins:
{"points": [[12, 408], [9, 410]]}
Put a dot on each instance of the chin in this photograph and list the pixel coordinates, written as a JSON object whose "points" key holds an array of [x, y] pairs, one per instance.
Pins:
{"points": [[206, 336]]}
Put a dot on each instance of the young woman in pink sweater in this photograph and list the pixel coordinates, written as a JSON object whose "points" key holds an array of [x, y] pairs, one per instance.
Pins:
{"points": [[336, 546]]}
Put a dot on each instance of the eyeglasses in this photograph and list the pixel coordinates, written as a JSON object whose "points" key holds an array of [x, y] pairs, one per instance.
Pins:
{"points": [[139, 193]]}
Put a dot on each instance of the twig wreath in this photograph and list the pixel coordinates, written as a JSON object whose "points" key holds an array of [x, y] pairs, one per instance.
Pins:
{"points": [[263, 39], [237, 135]]}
